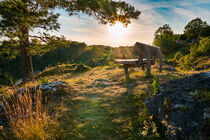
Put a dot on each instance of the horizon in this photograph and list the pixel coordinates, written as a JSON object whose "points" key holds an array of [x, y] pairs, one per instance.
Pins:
{"points": [[154, 14]]}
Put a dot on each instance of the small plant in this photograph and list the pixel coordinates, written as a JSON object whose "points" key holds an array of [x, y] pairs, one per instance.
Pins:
{"points": [[156, 85], [43, 80], [150, 128], [166, 104], [28, 119]]}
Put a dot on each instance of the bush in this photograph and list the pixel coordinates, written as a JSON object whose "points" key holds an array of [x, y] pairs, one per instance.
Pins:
{"points": [[177, 57], [204, 47], [167, 45], [196, 51], [156, 85], [43, 80]]}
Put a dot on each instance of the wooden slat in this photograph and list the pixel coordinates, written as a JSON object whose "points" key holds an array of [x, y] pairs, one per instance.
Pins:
{"points": [[129, 61], [126, 61]]}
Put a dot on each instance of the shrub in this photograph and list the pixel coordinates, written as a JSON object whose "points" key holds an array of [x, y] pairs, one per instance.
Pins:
{"points": [[204, 47], [156, 85], [177, 57], [43, 80], [196, 51], [29, 119]]}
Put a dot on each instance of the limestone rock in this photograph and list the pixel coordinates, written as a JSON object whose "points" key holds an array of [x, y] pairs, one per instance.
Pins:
{"points": [[183, 115]]}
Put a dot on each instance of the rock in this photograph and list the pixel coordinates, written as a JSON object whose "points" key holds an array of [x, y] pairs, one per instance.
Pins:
{"points": [[102, 83], [184, 116], [54, 89], [1, 108], [206, 113], [18, 82]]}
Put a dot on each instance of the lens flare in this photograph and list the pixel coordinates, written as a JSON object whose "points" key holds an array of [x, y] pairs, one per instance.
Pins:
{"points": [[118, 31]]}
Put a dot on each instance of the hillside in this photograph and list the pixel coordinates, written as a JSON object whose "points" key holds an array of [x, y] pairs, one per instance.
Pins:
{"points": [[73, 52], [100, 103]]}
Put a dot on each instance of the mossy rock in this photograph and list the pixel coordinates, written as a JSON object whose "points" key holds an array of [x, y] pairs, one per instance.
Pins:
{"points": [[62, 69]]}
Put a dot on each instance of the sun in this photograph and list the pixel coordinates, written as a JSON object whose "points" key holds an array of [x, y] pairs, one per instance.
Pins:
{"points": [[118, 31]]}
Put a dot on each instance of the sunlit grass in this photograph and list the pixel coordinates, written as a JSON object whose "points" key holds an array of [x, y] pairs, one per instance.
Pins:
{"points": [[28, 118], [116, 111]]}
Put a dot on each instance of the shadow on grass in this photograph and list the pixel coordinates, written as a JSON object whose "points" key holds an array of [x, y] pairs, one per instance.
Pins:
{"points": [[94, 114]]}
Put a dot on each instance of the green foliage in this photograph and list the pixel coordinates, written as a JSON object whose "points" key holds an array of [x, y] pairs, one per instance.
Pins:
{"points": [[184, 49], [204, 47], [194, 29], [196, 51], [206, 31], [167, 45], [177, 57], [20, 18], [62, 69], [166, 40], [43, 80], [163, 32], [156, 85]]}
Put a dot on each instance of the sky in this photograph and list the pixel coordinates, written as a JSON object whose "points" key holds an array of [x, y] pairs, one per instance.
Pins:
{"points": [[154, 13]]}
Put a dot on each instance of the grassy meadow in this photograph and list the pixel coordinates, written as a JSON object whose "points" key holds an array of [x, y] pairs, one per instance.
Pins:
{"points": [[100, 104]]}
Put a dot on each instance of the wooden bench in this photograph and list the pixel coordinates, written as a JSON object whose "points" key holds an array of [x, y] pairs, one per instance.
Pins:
{"points": [[131, 63]]}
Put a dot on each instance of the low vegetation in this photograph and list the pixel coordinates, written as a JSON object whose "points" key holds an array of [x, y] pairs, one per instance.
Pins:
{"points": [[101, 103], [29, 119], [183, 50]]}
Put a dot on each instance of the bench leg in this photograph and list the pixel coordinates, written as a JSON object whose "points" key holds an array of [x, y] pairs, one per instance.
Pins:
{"points": [[126, 72]]}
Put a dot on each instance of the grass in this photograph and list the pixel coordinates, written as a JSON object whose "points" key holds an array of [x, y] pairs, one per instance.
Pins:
{"points": [[28, 118], [62, 69], [117, 111]]}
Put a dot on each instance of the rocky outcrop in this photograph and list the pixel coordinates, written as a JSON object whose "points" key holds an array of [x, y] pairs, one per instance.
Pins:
{"points": [[185, 116]]}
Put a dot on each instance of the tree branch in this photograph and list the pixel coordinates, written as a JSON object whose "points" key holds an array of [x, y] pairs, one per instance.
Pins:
{"points": [[34, 36]]}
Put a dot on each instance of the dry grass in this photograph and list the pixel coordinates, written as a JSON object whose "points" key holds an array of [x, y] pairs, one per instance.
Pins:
{"points": [[28, 118]]}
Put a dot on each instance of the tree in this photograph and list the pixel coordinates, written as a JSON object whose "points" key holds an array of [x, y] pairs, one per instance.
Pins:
{"points": [[165, 39], [194, 29], [19, 18], [163, 32], [206, 31]]}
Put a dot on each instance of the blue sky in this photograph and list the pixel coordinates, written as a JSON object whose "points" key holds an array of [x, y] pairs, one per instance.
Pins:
{"points": [[154, 13]]}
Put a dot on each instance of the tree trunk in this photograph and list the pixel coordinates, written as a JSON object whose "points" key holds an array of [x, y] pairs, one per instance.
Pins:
{"points": [[26, 60], [27, 67]]}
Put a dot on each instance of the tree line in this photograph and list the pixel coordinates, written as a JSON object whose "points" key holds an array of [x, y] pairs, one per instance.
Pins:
{"points": [[184, 49]]}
